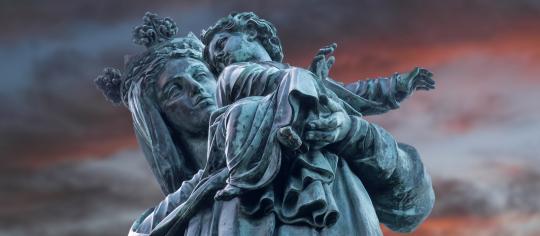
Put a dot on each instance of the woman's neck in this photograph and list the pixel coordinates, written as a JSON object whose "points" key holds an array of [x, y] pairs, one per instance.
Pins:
{"points": [[195, 146]]}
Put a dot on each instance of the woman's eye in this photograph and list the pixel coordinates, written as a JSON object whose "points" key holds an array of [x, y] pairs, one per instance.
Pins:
{"points": [[174, 90]]}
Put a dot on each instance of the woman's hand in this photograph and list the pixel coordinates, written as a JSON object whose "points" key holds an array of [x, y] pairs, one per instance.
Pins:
{"points": [[289, 138], [331, 126]]}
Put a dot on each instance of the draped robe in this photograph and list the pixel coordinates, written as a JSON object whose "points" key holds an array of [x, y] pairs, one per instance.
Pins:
{"points": [[347, 188]]}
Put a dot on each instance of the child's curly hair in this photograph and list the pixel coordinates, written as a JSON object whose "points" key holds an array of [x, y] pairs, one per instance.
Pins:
{"points": [[240, 22]]}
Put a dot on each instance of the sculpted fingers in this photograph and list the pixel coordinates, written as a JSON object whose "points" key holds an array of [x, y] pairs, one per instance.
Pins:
{"points": [[333, 105], [424, 83], [415, 72], [423, 80], [427, 85], [289, 138], [320, 66], [316, 62], [333, 46], [425, 72], [429, 80], [327, 124], [327, 50], [317, 66], [424, 88], [426, 75], [320, 136], [330, 62]]}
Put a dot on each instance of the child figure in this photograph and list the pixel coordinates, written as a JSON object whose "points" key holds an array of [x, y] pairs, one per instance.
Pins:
{"points": [[286, 136]]}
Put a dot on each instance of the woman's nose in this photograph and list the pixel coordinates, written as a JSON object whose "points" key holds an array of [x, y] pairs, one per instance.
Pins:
{"points": [[196, 88]]}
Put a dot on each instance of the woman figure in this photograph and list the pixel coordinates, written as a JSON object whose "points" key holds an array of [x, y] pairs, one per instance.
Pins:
{"points": [[171, 94]]}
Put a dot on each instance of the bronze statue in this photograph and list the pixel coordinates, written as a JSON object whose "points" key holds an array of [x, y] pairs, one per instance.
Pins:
{"points": [[288, 151]]}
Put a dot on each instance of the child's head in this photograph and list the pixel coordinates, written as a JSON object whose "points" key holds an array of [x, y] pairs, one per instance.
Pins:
{"points": [[240, 37]]}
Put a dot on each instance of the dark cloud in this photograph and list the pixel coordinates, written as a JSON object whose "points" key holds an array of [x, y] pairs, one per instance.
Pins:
{"points": [[62, 111], [515, 193], [394, 23], [94, 197], [51, 103]]}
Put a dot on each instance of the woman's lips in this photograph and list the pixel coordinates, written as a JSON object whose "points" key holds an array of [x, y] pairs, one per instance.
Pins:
{"points": [[204, 100]]}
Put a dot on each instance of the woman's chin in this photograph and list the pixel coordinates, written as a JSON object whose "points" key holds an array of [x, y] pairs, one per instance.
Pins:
{"points": [[204, 112]]}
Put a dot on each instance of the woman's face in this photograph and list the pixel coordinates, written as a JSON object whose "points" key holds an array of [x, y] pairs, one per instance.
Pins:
{"points": [[186, 94]]}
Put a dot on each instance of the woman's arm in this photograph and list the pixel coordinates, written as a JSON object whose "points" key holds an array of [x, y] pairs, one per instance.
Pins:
{"points": [[392, 173], [153, 216]]}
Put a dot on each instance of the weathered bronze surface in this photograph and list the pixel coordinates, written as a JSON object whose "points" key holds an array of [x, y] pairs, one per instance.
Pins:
{"points": [[244, 144]]}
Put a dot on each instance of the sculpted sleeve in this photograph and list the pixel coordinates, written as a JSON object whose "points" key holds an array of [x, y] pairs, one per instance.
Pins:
{"points": [[393, 174], [381, 90], [247, 79], [153, 216]]}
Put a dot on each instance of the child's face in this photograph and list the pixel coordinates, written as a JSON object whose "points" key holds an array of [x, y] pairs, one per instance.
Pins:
{"points": [[228, 48]]}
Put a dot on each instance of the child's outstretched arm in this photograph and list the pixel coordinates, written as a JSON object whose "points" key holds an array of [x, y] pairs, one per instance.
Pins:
{"points": [[391, 91], [388, 92]]}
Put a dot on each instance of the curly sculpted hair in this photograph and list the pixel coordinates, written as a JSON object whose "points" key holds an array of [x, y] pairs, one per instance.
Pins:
{"points": [[241, 22]]}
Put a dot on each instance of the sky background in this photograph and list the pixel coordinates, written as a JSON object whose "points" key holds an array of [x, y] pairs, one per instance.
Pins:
{"points": [[71, 165]]}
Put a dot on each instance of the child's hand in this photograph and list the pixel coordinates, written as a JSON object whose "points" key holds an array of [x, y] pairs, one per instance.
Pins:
{"points": [[417, 79], [320, 66]]}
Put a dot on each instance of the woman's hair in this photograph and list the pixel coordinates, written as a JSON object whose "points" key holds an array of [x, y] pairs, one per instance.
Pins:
{"points": [[157, 35], [241, 22], [148, 66], [134, 89]]}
